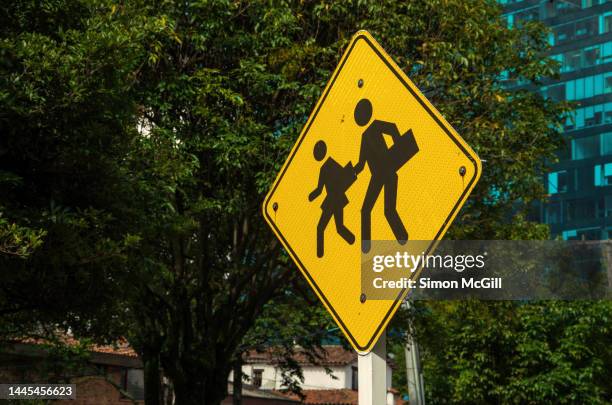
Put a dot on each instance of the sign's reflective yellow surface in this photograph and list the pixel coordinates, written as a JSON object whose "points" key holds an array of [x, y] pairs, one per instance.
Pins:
{"points": [[375, 161]]}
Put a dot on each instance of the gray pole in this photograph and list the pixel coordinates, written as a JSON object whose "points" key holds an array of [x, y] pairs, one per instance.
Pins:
{"points": [[414, 376], [413, 373]]}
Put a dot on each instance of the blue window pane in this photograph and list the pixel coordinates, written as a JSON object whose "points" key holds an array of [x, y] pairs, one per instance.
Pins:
{"points": [[608, 82], [593, 115], [569, 234], [553, 213], [585, 148], [552, 183], [606, 143], [557, 92], [607, 52], [570, 121], [597, 175], [570, 90], [603, 175], [580, 58], [599, 84], [606, 23], [580, 118], [588, 87], [579, 89], [558, 182], [607, 119], [599, 114]]}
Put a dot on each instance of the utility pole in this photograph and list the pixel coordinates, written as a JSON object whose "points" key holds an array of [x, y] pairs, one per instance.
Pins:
{"points": [[413, 373], [372, 374], [414, 376]]}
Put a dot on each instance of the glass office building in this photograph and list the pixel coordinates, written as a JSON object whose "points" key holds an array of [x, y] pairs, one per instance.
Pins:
{"points": [[580, 185]]}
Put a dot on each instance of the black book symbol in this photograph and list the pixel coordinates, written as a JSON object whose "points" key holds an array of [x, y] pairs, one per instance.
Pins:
{"points": [[403, 149]]}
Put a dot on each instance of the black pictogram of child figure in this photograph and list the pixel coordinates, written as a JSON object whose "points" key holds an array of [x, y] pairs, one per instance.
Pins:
{"points": [[336, 180], [383, 163]]}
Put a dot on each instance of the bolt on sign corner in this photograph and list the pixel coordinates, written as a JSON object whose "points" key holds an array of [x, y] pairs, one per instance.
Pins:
{"points": [[375, 161]]}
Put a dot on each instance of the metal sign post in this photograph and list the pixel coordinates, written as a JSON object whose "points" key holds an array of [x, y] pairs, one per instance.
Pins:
{"points": [[372, 372]]}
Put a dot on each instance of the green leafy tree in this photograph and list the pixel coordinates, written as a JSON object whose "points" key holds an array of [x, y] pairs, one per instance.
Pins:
{"points": [[67, 123], [231, 86], [515, 353]]}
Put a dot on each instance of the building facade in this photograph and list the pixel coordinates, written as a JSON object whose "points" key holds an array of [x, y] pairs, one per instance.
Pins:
{"points": [[113, 374], [580, 185], [331, 380]]}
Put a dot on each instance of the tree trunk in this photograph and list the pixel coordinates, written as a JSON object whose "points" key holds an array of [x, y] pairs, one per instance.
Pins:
{"points": [[152, 379], [210, 389], [189, 393], [237, 400]]}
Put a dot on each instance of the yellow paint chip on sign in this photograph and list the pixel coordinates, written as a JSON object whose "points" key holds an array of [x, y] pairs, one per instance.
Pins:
{"points": [[375, 161]]}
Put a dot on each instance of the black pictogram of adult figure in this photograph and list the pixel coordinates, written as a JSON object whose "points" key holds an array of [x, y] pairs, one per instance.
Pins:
{"points": [[336, 180], [383, 163]]}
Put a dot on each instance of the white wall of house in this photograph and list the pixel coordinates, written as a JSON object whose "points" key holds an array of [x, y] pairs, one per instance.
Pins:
{"points": [[269, 375], [315, 377]]}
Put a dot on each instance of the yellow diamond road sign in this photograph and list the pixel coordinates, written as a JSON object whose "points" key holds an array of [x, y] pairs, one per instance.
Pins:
{"points": [[375, 161]]}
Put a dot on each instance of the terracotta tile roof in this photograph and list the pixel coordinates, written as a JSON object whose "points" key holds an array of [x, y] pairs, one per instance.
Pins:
{"points": [[330, 397], [121, 347], [337, 397], [329, 356]]}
